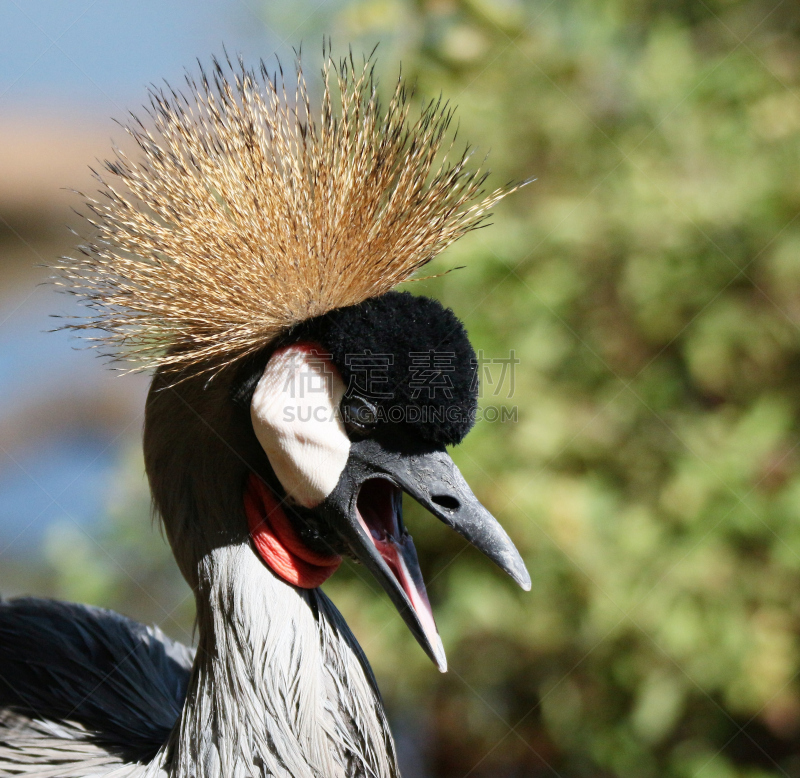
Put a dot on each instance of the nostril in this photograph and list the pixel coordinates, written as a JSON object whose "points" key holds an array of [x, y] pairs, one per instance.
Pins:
{"points": [[445, 501]]}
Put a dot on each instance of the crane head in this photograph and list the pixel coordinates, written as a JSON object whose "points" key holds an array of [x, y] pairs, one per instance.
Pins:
{"points": [[353, 409], [249, 254]]}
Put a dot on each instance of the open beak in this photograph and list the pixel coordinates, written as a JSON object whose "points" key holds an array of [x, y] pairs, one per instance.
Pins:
{"points": [[369, 499]]}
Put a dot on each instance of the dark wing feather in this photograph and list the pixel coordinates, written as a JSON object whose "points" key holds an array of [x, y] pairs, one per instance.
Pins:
{"points": [[122, 682]]}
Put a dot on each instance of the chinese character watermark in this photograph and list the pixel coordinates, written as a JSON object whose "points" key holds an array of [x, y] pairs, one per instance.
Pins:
{"points": [[369, 375], [486, 373], [310, 374], [430, 373], [431, 376]]}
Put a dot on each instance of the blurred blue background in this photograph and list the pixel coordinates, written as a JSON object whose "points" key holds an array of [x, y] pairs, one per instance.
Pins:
{"points": [[67, 68]]}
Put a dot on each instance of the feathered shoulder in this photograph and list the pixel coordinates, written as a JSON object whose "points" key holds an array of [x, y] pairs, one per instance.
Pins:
{"points": [[247, 211]]}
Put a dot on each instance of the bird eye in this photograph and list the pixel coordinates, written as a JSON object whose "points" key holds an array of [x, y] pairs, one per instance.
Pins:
{"points": [[360, 416]]}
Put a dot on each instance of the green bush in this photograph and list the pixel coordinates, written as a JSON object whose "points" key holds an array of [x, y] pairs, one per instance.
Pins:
{"points": [[649, 283]]}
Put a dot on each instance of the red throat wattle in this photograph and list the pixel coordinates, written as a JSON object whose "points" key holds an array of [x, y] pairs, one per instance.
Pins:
{"points": [[278, 543]]}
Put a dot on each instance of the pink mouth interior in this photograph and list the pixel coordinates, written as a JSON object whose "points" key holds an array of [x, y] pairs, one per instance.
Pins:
{"points": [[378, 508]]}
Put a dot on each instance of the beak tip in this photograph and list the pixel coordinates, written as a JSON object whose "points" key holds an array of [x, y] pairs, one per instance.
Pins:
{"points": [[516, 568], [439, 657], [523, 577]]}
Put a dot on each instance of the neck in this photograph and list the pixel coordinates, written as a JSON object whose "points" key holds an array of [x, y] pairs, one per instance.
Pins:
{"points": [[280, 686]]}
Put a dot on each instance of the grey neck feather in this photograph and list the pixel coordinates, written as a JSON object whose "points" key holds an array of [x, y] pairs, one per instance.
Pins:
{"points": [[280, 686]]}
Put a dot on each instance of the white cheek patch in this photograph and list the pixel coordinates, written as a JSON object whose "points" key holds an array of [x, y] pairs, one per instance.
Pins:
{"points": [[295, 415]]}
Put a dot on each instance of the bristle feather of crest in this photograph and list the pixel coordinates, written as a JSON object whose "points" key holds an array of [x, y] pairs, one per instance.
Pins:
{"points": [[246, 214]]}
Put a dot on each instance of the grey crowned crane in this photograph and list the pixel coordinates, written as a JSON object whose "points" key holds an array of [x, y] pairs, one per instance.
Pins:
{"points": [[248, 256]]}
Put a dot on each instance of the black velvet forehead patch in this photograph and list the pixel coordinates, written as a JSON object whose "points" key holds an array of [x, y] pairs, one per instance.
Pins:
{"points": [[409, 356]]}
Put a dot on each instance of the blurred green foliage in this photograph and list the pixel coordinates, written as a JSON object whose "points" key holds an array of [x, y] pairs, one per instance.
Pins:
{"points": [[649, 284]]}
